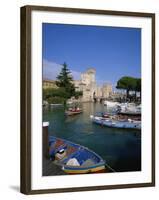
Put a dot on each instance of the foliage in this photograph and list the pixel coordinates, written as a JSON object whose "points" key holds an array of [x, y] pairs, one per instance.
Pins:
{"points": [[65, 80], [65, 88], [129, 84], [52, 95], [56, 100], [78, 94], [138, 84], [52, 92]]}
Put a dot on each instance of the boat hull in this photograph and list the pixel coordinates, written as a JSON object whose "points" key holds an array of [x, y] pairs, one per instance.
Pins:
{"points": [[111, 104], [96, 169], [130, 113], [129, 109], [69, 113], [88, 160], [117, 124]]}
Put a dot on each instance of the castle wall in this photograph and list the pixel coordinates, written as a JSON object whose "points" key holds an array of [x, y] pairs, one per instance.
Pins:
{"points": [[88, 86]]}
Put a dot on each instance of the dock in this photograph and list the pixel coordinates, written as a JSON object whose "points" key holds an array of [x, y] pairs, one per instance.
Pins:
{"points": [[50, 169]]}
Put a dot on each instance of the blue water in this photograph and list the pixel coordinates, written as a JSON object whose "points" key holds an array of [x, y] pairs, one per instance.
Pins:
{"points": [[120, 148]]}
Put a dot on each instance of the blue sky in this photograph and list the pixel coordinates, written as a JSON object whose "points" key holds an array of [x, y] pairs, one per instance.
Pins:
{"points": [[113, 51]]}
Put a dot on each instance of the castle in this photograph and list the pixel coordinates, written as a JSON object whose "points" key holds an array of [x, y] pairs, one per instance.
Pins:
{"points": [[87, 84]]}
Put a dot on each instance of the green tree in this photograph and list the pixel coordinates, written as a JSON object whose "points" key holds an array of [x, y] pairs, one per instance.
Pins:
{"points": [[52, 92], [65, 89], [127, 83], [78, 94], [65, 81], [52, 95], [138, 86]]}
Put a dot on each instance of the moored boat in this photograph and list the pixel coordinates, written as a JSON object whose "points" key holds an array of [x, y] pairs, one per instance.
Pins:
{"points": [[73, 112], [129, 109], [134, 111], [74, 158], [130, 113], [117, 122], [111, 104]]}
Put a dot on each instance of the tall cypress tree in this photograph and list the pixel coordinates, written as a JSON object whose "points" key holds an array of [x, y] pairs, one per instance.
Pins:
{"points": [[65, 80]]}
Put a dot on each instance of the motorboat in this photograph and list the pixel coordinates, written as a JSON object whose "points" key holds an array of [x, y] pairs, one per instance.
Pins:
{"points": [[117, 122], [111, 104], [129, 109]]}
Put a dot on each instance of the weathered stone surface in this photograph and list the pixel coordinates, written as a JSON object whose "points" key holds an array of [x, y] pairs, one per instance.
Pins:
{"points": [[89, 87]]}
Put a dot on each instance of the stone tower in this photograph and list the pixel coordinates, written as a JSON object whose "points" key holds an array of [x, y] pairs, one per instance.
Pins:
{"points": [[88, 77], [89, 84], [90, 89], [107, 90]]}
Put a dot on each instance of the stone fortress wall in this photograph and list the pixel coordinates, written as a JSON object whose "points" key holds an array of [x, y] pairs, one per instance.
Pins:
{"points": [[87, 84]]}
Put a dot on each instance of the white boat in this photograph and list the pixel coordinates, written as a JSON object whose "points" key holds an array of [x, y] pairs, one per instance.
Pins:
{"points": [[129, 109], [113, 123], [111, 104]]}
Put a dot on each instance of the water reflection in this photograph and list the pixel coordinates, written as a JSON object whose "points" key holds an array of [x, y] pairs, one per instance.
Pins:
{"points": [[121, 148]]}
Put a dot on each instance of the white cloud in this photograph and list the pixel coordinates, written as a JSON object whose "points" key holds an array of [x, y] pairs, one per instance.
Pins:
{"points": [[52, 69], [76, 75]]}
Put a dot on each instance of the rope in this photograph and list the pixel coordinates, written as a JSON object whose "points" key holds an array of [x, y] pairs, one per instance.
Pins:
{"points": [[110, 168]]}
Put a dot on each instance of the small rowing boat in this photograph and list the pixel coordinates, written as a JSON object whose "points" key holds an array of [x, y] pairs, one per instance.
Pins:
{"points": [[73, 112], [74, 158], [113, 122]]}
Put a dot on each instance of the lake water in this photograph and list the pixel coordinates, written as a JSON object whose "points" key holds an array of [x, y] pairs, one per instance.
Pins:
{"points": [[120, 148]]}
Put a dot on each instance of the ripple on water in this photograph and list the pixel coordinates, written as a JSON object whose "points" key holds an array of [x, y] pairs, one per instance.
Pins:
{"points": [[121, 148]]}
